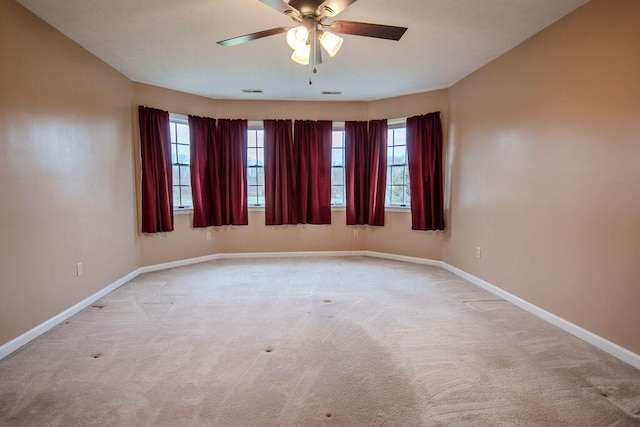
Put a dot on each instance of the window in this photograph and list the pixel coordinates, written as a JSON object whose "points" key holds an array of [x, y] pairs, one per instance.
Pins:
{"points": [[337, 168], [397, 166], [181, 159], [255, 166]]}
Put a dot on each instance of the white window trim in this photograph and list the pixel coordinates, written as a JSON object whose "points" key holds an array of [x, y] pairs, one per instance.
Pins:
{"points": [[395, 124], [182, 119]]}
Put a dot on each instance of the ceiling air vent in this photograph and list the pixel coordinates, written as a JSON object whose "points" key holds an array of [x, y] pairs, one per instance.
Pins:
{"points": [[332, 92], [251, 90]]}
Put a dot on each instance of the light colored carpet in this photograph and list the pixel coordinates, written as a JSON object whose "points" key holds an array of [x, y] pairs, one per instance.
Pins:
{"points": [[305, 342]]}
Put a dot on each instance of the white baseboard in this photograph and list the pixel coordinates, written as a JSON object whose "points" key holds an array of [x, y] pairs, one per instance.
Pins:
{"points": [[603, 344], [414, 260], [180, 263], [28, 336]]}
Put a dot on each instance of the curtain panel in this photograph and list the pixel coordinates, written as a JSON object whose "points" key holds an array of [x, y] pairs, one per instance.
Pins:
{"points": [[366, 171], [357, 172], [157, 181], [312, 141], [218, 171], [424, 149], [232, 167], [279, 173], [204, 184], [377, 168]]}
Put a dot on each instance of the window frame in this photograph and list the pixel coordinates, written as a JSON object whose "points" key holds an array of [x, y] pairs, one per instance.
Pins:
{"points": [[174, 121], [392, 126], [255, 126], [338, 127]]}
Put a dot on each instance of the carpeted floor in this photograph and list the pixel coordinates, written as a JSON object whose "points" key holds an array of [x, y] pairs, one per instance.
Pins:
{"points": [[311, 342]]}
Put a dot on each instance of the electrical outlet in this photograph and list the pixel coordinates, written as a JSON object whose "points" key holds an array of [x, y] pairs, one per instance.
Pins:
{"points": [[478, 252], [208, 235], [355, 232], [79, 269]]}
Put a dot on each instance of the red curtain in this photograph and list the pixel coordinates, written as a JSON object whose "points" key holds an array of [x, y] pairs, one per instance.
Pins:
{"points": [[157, 181], [279, 173], [424, 149], [366, 171], [218, 171], [313, 153], [205, 183], [377, 168], [232, 203], [357, 172]]}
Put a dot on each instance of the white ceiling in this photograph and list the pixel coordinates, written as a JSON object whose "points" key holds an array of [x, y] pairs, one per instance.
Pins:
{"points": [[172, 44]]}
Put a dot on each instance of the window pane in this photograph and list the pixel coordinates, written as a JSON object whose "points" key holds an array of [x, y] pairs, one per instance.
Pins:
{"points": [[407, 195], [187, 199], [337, 195], [185, 175], [400, 155], [176, 195], [173, 132], [183, 154], [252, 156], [400, 136], [397, 175], [260, 176], [260, 156], [337, 176], [252, 176], [174, 153], [176, 175], [183, 133], [261, 195], [260, 138], [397, 195], [336, 157], [390, 154], [337, 139], [252, 193]]}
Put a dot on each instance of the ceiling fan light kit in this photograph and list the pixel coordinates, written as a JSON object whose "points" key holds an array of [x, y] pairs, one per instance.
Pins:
{"points": [[301, 55], [311, 29], [297, 37]]}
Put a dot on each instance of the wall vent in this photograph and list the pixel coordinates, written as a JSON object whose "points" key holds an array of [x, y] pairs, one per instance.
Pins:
{"points": [[251, 90]]}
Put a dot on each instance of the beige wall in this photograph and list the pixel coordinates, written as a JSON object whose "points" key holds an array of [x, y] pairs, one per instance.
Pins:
{"points": [[186, 242], [545, 145], [66, 173]]}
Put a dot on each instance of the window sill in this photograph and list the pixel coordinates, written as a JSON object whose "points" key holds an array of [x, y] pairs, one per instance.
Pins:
{"points": [[182, 211], [405, 209]]}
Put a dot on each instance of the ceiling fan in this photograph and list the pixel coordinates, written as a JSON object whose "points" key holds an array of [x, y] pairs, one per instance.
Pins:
{"points": [[311, 29]]}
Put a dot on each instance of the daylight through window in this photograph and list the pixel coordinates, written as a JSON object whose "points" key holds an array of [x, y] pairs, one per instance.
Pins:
{"points": [[397, 167], [255, 167], [180, 159], [337, 168]]}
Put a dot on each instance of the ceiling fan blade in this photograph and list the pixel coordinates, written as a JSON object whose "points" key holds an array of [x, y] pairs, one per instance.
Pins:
{"points": [[253, 36], [378, 31], [333, 7], [280, 6]]}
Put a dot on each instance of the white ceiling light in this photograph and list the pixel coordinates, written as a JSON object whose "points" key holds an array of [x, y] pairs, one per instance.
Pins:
{"points": [[330, 42], [301, 55], [297, 37]]}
